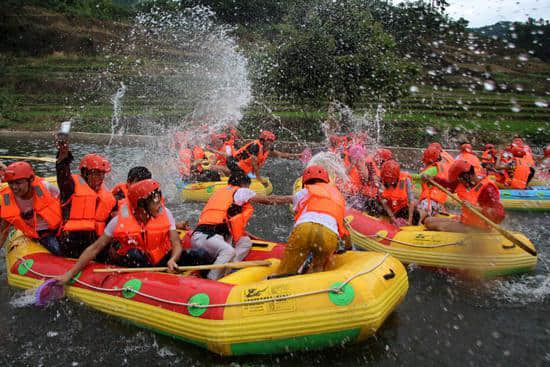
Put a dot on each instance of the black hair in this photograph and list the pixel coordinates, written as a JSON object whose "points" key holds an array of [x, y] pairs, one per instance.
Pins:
{"points": [[139, 173], [238, 179]]}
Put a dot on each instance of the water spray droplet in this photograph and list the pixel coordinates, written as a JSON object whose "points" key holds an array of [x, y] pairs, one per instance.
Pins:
{"points": [[413, 89], [541, 103], [489, 85]]}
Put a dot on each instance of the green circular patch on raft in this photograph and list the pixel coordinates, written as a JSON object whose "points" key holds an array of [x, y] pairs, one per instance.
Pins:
{"points": [[344, 297], [131, 287], [24, 267], [200, 299], [73, 279], [210, 189]]}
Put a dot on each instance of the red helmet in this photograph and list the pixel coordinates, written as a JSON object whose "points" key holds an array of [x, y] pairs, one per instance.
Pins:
{"points": [[489, 146], [518, 151], [142, 190], [431, 155], [547, 151], [267, 135], [313, 172], [518, 141], [457, 168], [216, 136], [18, 170], [383, 155], [436, 145], [466, 148], [96, 162], [389, 172]]}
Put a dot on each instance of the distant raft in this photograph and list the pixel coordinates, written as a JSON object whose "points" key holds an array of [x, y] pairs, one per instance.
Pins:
{"points": [[242, 313], [475, 254], [201, 191]]}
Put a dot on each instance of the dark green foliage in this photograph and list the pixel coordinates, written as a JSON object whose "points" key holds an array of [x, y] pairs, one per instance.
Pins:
{"points": [[104, 9], [333, 51]]}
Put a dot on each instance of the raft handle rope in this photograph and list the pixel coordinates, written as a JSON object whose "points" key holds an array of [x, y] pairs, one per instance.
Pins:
{"points": [[337, 289], [459, 243]]}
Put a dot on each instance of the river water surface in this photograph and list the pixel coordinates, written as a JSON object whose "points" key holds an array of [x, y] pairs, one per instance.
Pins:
{"points": [[443, 321]]}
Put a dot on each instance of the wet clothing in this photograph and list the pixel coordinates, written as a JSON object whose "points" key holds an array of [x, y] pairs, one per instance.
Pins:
{"points": [[429, 192], [306, 238], [72, 243]]}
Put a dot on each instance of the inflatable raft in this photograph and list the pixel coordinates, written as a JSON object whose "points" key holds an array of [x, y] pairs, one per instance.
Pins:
{"points": [[477, 254], [201, 191], [533, 198], [242, 313]]}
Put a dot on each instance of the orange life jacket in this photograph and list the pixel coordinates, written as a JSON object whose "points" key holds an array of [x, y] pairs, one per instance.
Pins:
{"points": [[472, 196], [215, 212], [153, 237], [397, 196], [44, 205], [245, 159], [186, 158], [121, 187], [326, 199], [473, 160], [521, 174], [430, 192], [89, 209]]}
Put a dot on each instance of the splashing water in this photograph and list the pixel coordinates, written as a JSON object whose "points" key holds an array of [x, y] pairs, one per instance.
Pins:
{"points": [[186, 75], [333, 164], [116, 100], [23, 299]]}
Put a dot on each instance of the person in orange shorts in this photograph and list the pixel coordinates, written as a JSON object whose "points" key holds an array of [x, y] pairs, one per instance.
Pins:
{"points": [[319, 223]]}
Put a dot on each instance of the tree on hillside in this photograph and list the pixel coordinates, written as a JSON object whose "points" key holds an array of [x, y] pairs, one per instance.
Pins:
{"points": [[333, 51], [533, 36]]}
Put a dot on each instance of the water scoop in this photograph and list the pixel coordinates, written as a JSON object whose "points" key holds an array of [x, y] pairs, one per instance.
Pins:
{"points": [[48, 292]]}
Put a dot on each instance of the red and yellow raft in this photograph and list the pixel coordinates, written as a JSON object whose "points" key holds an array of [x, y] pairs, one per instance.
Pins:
{"points": [[475, 254], [242, 313]]}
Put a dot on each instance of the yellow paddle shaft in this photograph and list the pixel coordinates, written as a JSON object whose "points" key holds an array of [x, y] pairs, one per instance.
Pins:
{"points": [[492, 224], [234, 265]]}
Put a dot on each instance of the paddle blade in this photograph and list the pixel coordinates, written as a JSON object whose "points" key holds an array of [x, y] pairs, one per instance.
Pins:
{"points": [[305, 157], [49, 291]]}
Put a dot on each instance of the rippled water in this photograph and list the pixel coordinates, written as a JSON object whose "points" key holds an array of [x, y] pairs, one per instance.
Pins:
{"points": [[444, 321]]}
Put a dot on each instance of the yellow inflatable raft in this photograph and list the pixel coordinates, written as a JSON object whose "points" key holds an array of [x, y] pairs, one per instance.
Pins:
{"points": [[242, 313], [475, 254], [201, 191]]}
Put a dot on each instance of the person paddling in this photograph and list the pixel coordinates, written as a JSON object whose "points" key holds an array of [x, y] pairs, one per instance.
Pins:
{"points": [[251, 157], [31, 205], [86, 204], [319, 223], [144, 232], [221, 229], [478, 191]]}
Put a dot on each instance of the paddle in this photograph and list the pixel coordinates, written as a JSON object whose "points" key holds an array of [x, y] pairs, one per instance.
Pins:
{"points": [[234, 265], [30, 158], [492, 224]]}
